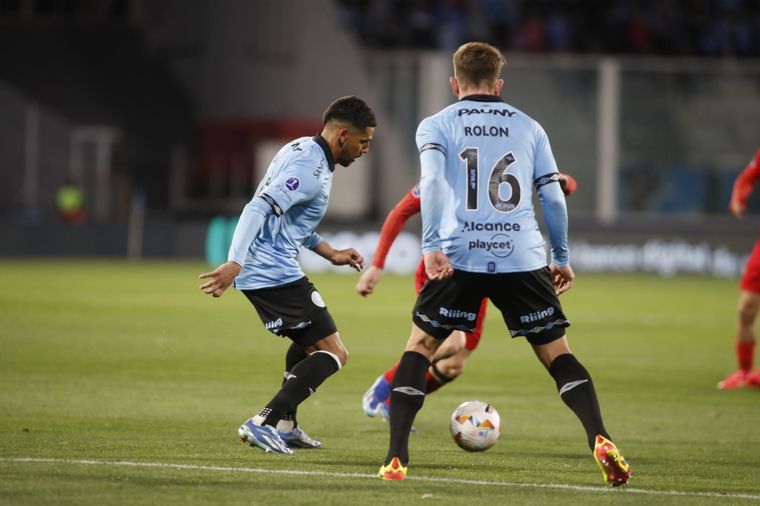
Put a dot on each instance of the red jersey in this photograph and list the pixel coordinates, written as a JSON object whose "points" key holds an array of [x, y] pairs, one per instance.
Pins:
{"points": [[746, 181], [742, 188], [406, 207]]}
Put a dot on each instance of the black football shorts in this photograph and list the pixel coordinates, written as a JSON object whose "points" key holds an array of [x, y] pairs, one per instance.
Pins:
{"points": [[295, 310], [527, 302]]}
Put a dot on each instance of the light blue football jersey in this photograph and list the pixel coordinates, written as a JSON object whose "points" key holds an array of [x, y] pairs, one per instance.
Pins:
{"points": [[494, 156], [296, 189]]}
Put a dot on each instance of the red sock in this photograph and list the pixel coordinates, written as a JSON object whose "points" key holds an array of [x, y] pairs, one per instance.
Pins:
{"points": [[745, 354], [431, 383], [390, 373]]}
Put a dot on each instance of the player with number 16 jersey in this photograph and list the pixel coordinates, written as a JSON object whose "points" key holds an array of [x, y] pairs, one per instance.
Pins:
{"points": [[480, 160], [490, 145]]}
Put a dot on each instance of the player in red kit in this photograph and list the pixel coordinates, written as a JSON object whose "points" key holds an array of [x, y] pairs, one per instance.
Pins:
{"points": [[749, 297], [450, 358]]}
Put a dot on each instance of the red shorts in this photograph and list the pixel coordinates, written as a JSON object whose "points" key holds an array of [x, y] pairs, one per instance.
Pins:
{"points": [[751, 277], [471, 340]]}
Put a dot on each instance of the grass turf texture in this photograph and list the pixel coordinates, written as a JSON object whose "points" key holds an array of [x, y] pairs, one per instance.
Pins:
{"points": [[128, 364]]}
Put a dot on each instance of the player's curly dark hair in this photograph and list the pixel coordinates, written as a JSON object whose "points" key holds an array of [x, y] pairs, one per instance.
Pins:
{"points": [[352, 110]]}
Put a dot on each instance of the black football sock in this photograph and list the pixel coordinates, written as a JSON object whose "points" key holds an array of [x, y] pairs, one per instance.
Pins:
{"points": [[407, 397], [294, 355], [304, 380], [577, 391]]}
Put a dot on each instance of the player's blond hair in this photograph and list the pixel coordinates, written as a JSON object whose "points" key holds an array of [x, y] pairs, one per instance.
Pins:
{"points": [[477, 64]]}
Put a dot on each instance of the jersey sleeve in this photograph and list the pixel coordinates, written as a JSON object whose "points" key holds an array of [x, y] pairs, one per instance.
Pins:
{"points": [[313, 241], [251, 220], [296, 183], [544, 163], [429, 136], [432, 197], [432, 146], [394, 222], [555, 217], [746, 180], [551, 196]]}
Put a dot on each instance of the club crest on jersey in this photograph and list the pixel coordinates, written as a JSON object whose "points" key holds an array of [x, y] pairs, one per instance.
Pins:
{"points": [[292, 183]]}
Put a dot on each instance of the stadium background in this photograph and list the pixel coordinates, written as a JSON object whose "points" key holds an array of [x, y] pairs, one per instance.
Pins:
{"points": [[122, 383], [165, 114]]}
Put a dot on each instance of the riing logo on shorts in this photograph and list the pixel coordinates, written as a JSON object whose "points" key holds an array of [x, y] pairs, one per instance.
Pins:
{"points": [[457, 313], [538, 315], [317, 299], [292, 183], [274, 325]]}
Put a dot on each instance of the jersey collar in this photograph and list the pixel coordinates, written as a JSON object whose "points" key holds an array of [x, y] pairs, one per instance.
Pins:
{"points": [[328, 154], [482, 98]]}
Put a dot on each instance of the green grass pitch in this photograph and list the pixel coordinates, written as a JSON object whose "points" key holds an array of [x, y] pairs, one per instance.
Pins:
{"points": [[123, 384]]}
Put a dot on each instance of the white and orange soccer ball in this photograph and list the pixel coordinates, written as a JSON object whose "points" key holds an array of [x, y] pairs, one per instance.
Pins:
{"points": [[475, 426]]}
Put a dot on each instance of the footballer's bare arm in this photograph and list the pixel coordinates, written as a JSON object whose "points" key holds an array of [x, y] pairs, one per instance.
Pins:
{"points": [[348, 256], [220, 278], [368, 280], [562, 278]]}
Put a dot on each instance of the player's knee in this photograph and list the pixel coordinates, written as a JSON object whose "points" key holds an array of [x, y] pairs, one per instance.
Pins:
{"points": [[450, 370], [747, 312], [451, 346], [547, 352], [334, 346], [343, 357], [340, 354], [424, 344]]}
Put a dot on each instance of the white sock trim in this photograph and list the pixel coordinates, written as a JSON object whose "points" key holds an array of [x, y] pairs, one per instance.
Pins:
{"points": [[333, 355], [569, 386], [409, 391]]}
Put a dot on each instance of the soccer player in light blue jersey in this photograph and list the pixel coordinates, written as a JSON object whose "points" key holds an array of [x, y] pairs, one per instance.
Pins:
{"points": [[480, 160], [283, 215]]}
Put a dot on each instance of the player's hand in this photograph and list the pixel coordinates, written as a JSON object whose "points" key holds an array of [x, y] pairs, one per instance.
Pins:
{"points": [[348, 256], [368, 280], [220, 278], [438, 266], [567, 183], [562, 278], [737, 209]]}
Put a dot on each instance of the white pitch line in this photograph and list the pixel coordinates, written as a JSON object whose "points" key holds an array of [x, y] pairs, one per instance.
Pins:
{"points": [[504, 484]]}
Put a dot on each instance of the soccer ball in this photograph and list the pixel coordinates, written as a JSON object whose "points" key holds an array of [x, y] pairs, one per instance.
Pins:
{"points": [[475, 426]]}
